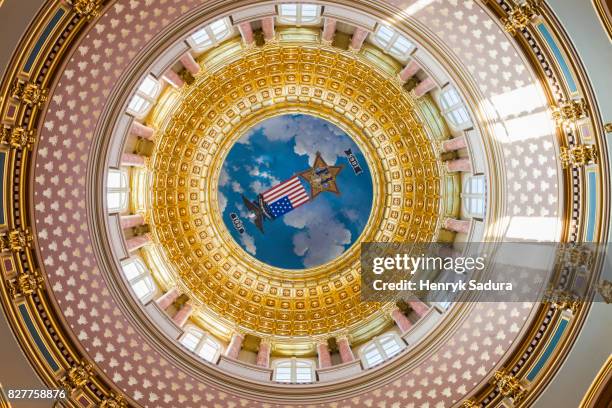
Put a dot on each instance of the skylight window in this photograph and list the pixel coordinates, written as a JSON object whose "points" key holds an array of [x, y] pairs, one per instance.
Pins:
{"points": [[381, 349], [473, 196], [117, 190], [294, 371], [139, 278], [392, 42], [210, 35], [454, 109], [145, 97], [299, 14], [201, 343]]}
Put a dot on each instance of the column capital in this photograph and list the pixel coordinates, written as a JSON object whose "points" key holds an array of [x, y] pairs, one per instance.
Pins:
{"points": [[321, 341]]}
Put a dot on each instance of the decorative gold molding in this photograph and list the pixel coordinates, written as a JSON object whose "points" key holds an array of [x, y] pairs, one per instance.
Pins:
{"points": [[76, 377], [567, 114], [521, 16], [28, 93], [578, 156], [595, 396], [88, 9], [17, 137], [16, 240], [604, 13], [509, 386]]}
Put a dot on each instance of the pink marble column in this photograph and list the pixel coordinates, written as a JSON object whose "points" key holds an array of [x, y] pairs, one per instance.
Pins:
{"points": [[424, 86], [400, 319], [453, 144], [462, 164], [267, 26], [329, 30], [409, 71], [190, 64], [344, 347], [181, 317], [173, 78], [130, 221], [133, 160], [246, 31], [168, 298], [419, 307], [143, 131], [452, 224], [235, 345], [138, 242], [263, 354], [358, 38], [324, 355]]}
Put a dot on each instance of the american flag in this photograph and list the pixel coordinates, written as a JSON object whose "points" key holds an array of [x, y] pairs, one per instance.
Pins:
{"points": [[285, 196]]}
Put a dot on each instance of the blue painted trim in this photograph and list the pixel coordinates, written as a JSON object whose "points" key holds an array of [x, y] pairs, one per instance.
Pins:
{"points": [[2, 161], [549, 349], [592, 206], [43, 37], [559, 57], [36, 336]]}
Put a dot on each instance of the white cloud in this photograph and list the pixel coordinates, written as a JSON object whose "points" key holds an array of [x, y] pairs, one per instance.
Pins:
{"points": [[279, 128], [223, 178], [310, 136], [222, 202], [322, 238], [351, 214], [236, 187], [248, 242], [264, 181]]}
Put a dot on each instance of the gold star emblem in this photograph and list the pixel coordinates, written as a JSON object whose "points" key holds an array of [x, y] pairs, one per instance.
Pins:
{"points": [[321, 177]]}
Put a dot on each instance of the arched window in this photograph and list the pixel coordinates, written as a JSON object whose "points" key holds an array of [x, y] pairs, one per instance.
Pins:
{"points": [[210, 35], [139, 278], [473, 196], [381, 349], [201, 343], [294, 370], [392, 42], [145, 97], [299, 14], [454, 109], [117, 190]]}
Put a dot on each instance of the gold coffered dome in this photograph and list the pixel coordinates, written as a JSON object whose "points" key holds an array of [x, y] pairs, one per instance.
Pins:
{"points": [[240, 88]]}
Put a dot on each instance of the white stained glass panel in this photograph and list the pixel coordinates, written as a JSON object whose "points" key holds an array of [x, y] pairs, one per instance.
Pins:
{"points": [[201, 38], [219, 28], [149, 87], [208, 351], [282, 373], [132, 270], [390, 346], [372, 355], [459, 116], [288, 10], [475, 206], [401, 46], [116, 179], [116, 200], [138, 104], [144, 287], [476, 185], [309, 12], [384, 35], [190, 340], [450, 98]]}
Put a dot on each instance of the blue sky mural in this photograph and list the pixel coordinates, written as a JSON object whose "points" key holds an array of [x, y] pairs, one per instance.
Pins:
{"points": [[316, 232]]}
